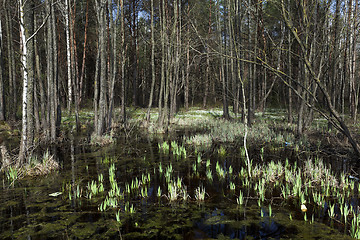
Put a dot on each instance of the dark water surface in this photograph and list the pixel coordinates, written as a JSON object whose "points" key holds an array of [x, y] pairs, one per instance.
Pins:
{"points": [[27, 211]]}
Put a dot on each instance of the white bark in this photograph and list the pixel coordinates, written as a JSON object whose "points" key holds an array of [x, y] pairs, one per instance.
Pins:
{"points": [[68, 53], [23, 144]]}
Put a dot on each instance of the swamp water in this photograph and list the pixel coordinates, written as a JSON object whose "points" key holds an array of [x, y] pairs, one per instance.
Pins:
{"points": [[144, 190]]}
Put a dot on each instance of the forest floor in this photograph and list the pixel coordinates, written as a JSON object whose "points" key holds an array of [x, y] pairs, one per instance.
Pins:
{"points": [[269, 127], [208, 127]]}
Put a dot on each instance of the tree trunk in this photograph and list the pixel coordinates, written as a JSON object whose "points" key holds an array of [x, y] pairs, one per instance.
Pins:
{"points": [[12, 105], [122, 47], [2, 105], [55, 115], [162, 82], [27, 60], [352, 37], [82, 74], [113, 63], [103, 78], [222, 68], [186, 84], [152, 62], [175, 59], [68, 54], [74, 64], [135, 57], [290, 116], [334, 115], [50, 73], [96, 86], [207, 76], [37, 80]]}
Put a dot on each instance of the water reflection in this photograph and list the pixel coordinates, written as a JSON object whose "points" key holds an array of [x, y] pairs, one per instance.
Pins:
{"points": [[32, 214]]}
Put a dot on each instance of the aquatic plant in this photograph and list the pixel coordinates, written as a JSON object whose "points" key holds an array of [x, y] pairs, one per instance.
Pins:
{"points": [[354, 229], [117, 215], [273, 171], [184, 194], [207, 163], [100, 177], [198, 159], [230, 170], [78, 192], [200, 193], [112, 173], [144, 192], [209, 174], [261, 189], [168, 172], [172, 192], [194, 167], [331, 210], [178, 151], [318, 198], [221, 151], [283, 192], [346, 212], [93, 189], [12, 174], [240, 199], [127, 188], [179, 182], [164, 147], [232, 186], [262, 153], [129, 209], [159, 192], [220, 171], [145, 178], [135, 184], [160, 168]]}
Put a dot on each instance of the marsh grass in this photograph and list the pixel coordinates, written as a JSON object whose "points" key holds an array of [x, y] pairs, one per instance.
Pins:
{"points": [[34, 167], [200, 142], [44, 166], [102, 140], [12, 174], [200, 194]]}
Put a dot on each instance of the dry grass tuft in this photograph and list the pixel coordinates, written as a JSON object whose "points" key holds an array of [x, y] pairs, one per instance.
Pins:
{"points": [[47, 165]]}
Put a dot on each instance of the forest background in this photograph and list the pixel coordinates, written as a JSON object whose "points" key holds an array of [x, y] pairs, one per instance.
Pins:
{"points": [[60, 57]]}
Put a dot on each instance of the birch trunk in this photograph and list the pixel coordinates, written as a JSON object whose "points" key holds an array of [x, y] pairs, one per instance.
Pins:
{"points": [[68, 54], [23, 59], [122, 57]]}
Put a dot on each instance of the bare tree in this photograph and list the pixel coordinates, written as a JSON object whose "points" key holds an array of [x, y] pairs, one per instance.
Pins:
{"points": [[12, 103], [152, 62], [2, 105], [122, 59], [332, 114], [26, 28]]}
